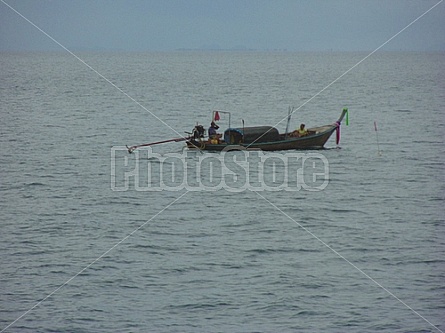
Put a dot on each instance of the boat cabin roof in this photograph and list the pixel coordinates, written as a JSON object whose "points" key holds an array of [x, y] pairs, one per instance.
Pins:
{"points": [[251, 134]]}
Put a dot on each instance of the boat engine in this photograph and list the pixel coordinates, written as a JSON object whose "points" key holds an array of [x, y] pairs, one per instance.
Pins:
{"points": [[198, 132]]}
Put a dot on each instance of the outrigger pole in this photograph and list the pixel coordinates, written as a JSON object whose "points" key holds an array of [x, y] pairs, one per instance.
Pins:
{"points": [[289, 115], [133, 148]]}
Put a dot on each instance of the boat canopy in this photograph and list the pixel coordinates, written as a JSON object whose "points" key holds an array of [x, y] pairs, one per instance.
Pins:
{"points": [[251, 134]]}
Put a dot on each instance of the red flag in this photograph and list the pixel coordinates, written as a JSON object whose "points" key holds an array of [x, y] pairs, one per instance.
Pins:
{"points": [[216, 116]]}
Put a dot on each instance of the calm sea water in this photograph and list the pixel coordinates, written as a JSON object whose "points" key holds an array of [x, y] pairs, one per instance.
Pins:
{"points": [[366, 254]]}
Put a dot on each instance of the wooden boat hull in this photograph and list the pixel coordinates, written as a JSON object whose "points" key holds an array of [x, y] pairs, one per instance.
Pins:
{"points": [[312, 141]]}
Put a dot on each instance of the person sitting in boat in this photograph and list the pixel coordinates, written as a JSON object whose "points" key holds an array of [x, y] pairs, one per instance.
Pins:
{"points": [[302, 131], [299, 132], [213, 135]]}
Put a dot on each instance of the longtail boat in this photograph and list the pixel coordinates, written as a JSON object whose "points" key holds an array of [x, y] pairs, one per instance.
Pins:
{"points": [[263, 137], [258, 137]]}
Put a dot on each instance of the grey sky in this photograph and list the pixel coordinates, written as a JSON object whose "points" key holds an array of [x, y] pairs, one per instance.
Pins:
{"points": [[152, 25]]}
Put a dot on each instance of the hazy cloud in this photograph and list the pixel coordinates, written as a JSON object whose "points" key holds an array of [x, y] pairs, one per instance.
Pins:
{"points": [[226, 24]]}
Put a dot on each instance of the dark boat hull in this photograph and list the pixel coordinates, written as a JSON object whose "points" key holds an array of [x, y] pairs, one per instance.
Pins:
{"points": [[313, 141]]}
